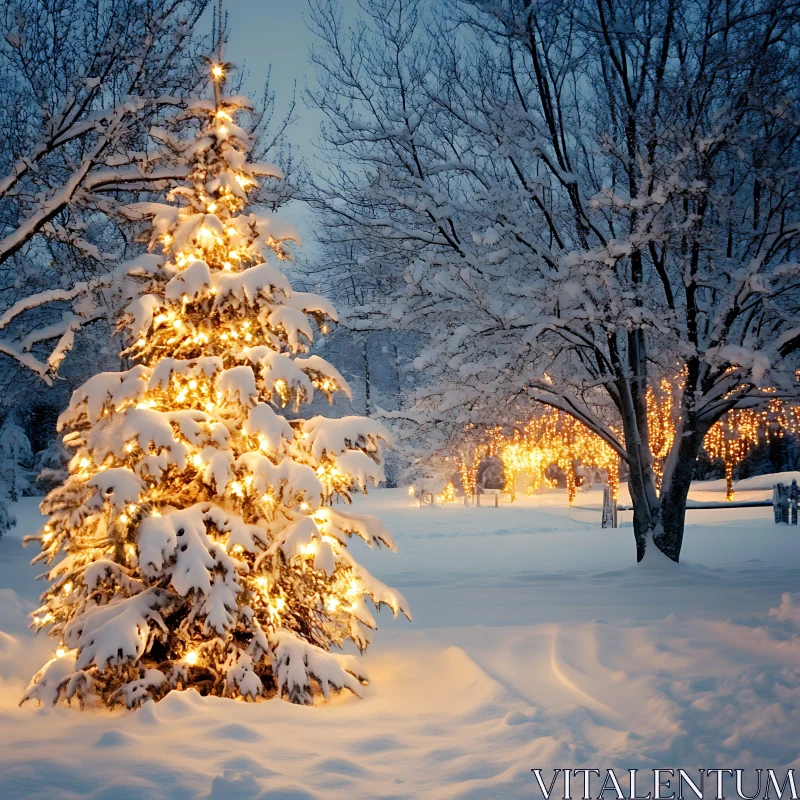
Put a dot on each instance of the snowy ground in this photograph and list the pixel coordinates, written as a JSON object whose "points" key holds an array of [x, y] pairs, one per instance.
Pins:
{"points": [[536, 642]]}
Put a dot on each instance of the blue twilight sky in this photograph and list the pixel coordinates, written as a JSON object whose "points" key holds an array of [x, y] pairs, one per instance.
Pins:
{"points": [[264, 33]]}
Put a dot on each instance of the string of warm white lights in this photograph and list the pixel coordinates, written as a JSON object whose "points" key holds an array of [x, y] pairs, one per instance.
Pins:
{"points": [[554, 438]]}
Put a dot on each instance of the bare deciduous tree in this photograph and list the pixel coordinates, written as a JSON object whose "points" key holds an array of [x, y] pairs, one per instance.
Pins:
{"points": [[572, 200], [84, 84]]}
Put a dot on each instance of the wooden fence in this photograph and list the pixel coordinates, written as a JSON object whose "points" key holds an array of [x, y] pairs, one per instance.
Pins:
{"points": [[784, 503]]}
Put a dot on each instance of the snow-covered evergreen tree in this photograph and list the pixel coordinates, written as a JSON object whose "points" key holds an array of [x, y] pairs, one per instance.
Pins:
{"points": [[51, 466], [194, 543], [16, 458]]}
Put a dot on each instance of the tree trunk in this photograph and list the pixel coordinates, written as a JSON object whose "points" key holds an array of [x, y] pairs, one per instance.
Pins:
{"points": [[632, 404], [678, 474], [728, 480], [642, 518], [776, 448], [367, 383], [642, 495]]}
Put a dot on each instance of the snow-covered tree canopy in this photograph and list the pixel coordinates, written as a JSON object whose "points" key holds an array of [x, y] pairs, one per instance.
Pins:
{"points": [[194, 542], [81, 84], [574, 200]]}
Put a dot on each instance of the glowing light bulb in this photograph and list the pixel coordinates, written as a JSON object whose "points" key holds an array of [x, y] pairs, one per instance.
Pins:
{"points": [[217, 72], [131, 508], [84, 463], [262, 582], [304, 506], [192, 385], [68, 587], [124, 519], [332, 604], [191, 658], [280, 603], [61, 652], [129, 447]]}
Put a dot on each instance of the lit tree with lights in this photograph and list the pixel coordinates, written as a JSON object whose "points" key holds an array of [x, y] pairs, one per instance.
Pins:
{"points": [[194, 543], [553, 438]]}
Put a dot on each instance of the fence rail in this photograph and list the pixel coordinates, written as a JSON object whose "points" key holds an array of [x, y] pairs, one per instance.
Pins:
{"points": [[784, 502]]}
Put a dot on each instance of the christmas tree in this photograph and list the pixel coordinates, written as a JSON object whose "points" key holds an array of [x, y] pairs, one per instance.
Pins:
{"points": [[194, 542]]}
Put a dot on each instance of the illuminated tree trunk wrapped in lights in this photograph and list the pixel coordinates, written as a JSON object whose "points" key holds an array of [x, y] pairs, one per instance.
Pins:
{"points": [[661, 426], [192, 544], [468, 467]]}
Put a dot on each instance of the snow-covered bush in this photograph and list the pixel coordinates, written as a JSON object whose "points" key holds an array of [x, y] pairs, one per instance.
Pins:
{"points": [[51, 465], [491, 474], [16, 458], [193, 542], [7, 519]]}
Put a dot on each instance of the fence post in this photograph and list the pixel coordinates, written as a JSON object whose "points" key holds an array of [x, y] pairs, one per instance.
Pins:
{"points": [[609, 509], [497, 500], [793, 493], [781, 502], [785, 504]]}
